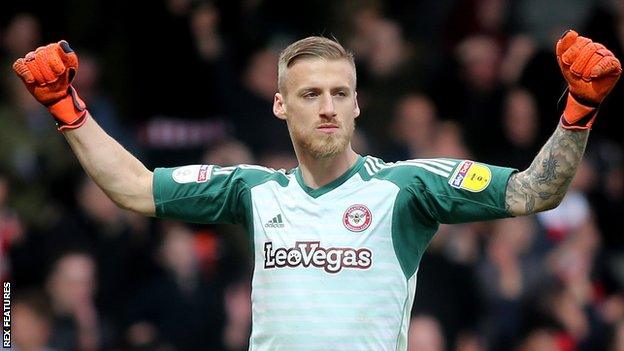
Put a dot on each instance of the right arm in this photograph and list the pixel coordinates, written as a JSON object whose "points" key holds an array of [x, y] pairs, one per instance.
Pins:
{"points": [[47, 73], [123, 178]]}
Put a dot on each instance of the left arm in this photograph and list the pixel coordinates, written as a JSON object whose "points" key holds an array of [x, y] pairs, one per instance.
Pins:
{"points": [[543, 185], [591, 72]]}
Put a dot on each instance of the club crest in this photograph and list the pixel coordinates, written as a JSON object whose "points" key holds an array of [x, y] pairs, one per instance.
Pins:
{"points": [[357, 218]]}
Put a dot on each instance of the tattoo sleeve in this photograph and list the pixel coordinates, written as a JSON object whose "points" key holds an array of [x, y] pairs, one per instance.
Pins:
{"points": [[542, 186]]}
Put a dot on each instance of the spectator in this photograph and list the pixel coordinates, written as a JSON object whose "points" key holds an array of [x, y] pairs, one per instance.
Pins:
{"points": [[449, 142], [519, 109], [617, 340], [414, 127], [228, 153], [238, 308], [77, 324], [390, 69], [88, 81], [179, 307], [11, 228], [477, 17], [117, 241], [540, 340], [31, 322], [544, 21], [510, 269], [425, 334], [251, 105], [33, 158], [477, 100], [450, 295]]}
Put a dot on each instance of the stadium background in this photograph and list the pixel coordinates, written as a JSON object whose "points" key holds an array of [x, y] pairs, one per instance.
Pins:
{"points": [[181, 82]]}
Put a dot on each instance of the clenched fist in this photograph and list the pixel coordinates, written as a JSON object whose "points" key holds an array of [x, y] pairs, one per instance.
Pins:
{"points": [[47, 73], [591, 71]]}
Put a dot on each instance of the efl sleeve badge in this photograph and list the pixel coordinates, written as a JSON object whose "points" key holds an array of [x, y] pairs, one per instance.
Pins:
{"points": [[471, 176]]}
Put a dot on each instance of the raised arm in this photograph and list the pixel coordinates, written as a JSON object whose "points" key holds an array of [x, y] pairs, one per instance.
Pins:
{"points": [[47, 73], [542, 186], [591, 72], [121, 176]]}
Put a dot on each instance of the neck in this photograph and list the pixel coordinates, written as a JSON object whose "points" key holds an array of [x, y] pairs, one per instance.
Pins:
{"points": [[319, 172]]}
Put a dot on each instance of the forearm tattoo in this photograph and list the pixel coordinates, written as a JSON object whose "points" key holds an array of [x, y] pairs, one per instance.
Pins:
{"points": [[542, 186]]}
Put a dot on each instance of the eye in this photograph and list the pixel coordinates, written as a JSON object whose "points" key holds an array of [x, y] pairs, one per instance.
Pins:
{"points": [[310, 95], [341, 93]]}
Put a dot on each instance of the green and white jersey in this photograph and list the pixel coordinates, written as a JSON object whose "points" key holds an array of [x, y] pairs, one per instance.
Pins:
{"points": [[335, 267]]}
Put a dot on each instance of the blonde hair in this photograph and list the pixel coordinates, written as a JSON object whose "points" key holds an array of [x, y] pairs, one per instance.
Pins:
{"points": [[311, 47]]}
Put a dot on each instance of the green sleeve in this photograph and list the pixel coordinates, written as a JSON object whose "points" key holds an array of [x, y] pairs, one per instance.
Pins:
{"points": [[471, 191], [434, 191], [201, 194]]}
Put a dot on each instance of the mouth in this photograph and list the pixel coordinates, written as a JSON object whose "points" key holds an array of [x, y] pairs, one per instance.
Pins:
{"points": [[328, 128]]}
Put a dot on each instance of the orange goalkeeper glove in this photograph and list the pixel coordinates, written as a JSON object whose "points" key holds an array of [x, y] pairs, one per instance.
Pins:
{"points": [[47, 73], [591, 72]]}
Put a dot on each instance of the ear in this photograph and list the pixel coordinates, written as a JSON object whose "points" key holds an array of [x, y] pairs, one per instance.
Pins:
{"points": [[357, 107], [279, 108]]}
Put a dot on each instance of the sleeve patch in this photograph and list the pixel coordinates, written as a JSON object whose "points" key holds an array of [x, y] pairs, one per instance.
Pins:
{"points": [[471, 176], [192, 173]]}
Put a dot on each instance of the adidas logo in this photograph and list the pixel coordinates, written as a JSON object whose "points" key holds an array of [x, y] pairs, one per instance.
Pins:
{"points": [[276, 222]]}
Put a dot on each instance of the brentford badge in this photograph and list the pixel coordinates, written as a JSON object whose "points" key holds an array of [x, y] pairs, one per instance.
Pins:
{"points": [[357, 218]]}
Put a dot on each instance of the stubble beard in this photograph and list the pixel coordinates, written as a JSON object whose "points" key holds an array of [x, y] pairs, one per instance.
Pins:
{"points": [[321, 146]]}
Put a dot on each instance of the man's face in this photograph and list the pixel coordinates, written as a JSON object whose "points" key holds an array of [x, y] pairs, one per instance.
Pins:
{"points": [[319, 104], [72, 284]]}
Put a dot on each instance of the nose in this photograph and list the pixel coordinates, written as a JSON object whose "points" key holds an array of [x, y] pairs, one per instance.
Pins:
{"points": [[326, 110]]}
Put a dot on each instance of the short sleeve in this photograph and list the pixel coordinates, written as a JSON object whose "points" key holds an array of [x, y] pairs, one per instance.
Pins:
{"points": [[467, 191], [200, 194]]}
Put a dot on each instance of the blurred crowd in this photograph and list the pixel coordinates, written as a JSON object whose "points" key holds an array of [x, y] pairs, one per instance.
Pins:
{"points": [[192, 81]]}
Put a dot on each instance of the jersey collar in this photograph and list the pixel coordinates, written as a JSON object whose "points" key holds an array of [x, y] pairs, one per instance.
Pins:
{"points": [[331, 185]]}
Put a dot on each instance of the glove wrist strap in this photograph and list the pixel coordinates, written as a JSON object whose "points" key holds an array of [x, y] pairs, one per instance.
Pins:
{"points": [[61, 126], [577, 115], [70, 112]]}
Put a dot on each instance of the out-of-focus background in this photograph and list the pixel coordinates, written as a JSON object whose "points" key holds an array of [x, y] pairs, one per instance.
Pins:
{"points": [[184, 82]]}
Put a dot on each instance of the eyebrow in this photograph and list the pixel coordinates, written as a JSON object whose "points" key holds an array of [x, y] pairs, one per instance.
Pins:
{"points": [[311, 88]]}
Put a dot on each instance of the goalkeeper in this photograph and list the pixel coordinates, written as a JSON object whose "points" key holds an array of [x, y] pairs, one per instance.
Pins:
{"points": [[336, 241]]}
